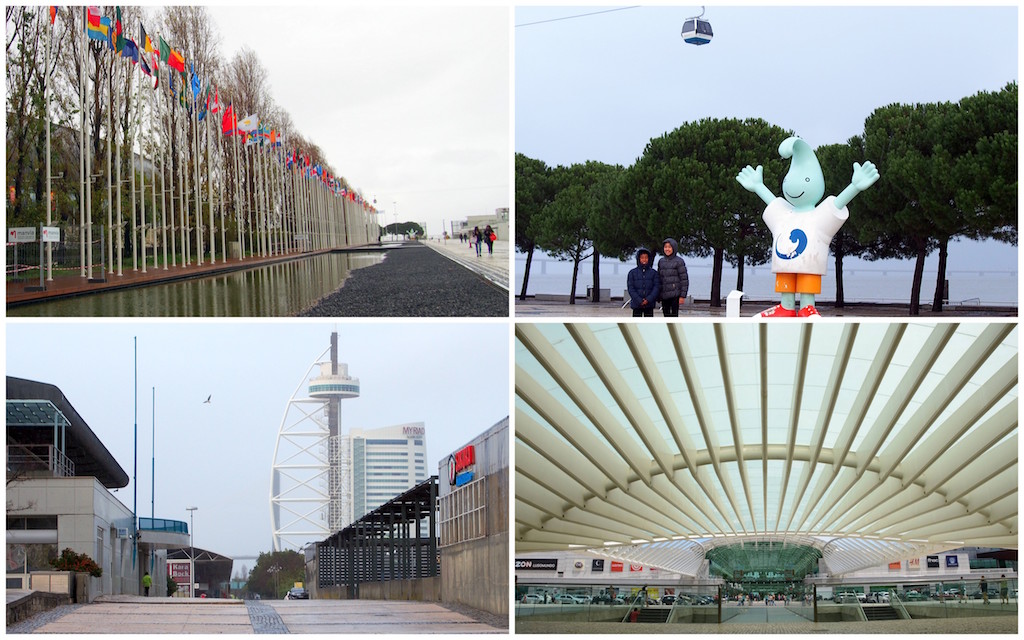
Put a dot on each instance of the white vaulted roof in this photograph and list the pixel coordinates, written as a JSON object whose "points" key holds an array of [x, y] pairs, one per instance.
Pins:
{"points": [[632, 433]]}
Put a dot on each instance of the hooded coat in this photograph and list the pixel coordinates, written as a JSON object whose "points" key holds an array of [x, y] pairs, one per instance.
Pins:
{"points": [[675, 283], [643, 282]]}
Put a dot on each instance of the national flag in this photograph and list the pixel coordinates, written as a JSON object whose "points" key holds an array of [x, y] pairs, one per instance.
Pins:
{"points": [[196, 84], [145, 44], [249, 123], [145, 67], [95, 28], [165, 50], [108, 25], [202, 114], [130, 50], [216, 102], [53, 14], [229, 124], [177, 62], [170, 85], [118, 31]]}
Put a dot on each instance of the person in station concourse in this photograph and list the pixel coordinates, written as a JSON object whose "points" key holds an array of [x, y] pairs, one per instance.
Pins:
{"points": [[674, 281], [983, 585], [1004, 590], [643, 285], [147, 582]]}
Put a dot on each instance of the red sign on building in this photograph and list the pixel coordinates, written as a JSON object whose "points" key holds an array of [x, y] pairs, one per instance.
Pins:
{"points": [[616, 566]]}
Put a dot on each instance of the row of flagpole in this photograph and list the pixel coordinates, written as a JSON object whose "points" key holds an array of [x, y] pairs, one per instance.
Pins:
{"points": [[291, 205]]}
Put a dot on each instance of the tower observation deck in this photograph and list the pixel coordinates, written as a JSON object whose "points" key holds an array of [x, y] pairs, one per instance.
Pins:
{"points": [[307, 476]]}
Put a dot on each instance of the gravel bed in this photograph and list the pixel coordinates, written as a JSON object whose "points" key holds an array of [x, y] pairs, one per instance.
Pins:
{"points": [[413, 281], [29, 625]]}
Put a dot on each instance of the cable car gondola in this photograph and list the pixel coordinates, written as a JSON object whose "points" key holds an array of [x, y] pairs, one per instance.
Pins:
{"points": [[697, 31]]}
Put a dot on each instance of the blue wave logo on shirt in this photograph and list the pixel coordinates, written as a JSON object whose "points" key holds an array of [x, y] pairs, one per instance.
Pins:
{"points": [[800, 238]]}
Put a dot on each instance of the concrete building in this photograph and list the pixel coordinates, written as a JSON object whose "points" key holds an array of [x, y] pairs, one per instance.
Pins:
{"points": [[498, 221], [379, 464], [60, 479], [473, 498]]}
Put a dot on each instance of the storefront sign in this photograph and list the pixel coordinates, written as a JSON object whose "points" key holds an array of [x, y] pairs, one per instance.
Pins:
{"points": [[636, 567], [951, 562], [933, 562], [895, 566], [597, 566], [458, 462], [616, 566], [914, 563], [537, 564], [21, 234]]}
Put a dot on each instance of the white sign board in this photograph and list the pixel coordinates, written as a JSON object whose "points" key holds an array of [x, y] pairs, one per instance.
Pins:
{"points": [[21, 234], [51, 234]]}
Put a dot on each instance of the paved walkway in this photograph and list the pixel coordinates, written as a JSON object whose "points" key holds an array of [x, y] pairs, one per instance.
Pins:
{"points": [[1000, 624], [137, 615], [494, 267], [532, 307]]}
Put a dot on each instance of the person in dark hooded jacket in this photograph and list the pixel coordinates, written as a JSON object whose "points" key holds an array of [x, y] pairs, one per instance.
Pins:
{"points": [[674, 281], [643, 285]]}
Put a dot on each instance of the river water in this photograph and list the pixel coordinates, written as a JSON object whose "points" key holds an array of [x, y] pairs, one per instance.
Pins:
{"points": [[276, 290]]}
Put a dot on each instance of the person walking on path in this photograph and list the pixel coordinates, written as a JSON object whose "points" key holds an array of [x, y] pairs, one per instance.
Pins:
{"points": [[476, 238], [489, 238], [674, 281], [984, 589], [643, 285], [1004, 590], [963, 590], [147, 582]]}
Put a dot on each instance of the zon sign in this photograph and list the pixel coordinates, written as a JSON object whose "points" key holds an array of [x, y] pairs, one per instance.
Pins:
{"points": [[458, 462]]}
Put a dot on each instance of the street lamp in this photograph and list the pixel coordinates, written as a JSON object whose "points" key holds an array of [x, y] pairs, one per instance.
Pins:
{"points": [[191, 552], [274, 570], [395, 211]]}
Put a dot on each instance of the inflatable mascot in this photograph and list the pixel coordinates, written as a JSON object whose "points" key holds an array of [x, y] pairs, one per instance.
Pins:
{"points": [[801, 228]]}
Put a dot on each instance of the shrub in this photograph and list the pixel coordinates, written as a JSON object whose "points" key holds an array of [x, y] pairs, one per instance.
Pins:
{"points": [[77, 562], [172, 586]]}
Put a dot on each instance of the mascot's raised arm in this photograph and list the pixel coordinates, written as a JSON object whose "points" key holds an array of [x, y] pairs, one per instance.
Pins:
{"points": [[802, 228]]}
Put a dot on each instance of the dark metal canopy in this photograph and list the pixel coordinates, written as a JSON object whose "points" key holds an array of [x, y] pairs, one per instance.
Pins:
{"points": [[89, 454]]}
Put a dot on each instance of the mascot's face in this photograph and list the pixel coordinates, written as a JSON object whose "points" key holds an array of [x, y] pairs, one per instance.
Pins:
{"points": [[804, 185]]}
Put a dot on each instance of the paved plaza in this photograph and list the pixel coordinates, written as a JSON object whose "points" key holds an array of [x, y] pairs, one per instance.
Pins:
{"points": [[493, 266], [139, 615], [1001, 624]]}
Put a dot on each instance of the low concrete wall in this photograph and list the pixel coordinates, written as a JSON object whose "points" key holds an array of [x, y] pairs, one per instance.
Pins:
{"points": [[571, 613], [938, 610], [35, 602], [422, 589]]}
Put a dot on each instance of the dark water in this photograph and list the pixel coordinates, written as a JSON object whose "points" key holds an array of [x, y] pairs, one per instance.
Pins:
{"points": [[282, 289]]}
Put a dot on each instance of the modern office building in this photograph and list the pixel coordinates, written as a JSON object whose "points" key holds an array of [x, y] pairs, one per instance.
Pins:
{"points": [[379, 464]]}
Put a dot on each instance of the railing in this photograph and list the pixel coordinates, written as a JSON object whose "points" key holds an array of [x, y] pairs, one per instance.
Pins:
{"points": [[642, 593], [39, 457], [162, 524], [897, 604]]}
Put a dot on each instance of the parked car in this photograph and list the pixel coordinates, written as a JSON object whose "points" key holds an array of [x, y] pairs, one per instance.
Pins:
{"points": [[581, 599], [565, 599], [846, 598], [297, 593], [668, 599], [914, 595], [533, 598]]}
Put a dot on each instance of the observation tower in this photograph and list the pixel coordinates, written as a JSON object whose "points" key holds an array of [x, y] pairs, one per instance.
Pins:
{"points": [[308, 493]]}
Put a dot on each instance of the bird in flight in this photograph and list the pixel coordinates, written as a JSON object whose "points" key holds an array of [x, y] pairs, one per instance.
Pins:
{"points": [[207, 401]]}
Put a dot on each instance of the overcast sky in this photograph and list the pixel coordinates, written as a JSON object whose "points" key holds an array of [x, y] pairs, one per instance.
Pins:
{"points": [[453, 376], [600, 87], [409, 103]]}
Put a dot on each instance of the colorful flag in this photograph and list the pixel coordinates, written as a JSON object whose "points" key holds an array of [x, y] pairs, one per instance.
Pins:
{"points": [[177, 62], [229, 124], [53, 14], [145, 67], [145, 44], [165, 50], [108, 25], [249, 123], [216, 101], [155, 57], [95, 28], [202, 114], [170, 85], [130, 50], [196, 85], [118, 31]]}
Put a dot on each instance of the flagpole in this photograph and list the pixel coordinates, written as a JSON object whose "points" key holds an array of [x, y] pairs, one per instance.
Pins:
{"points": [[168, 122], [49, 186], [222, 155], [186, 189], [142, 170], [152, 174], [81, 145], [131, 150], [163, 171], [110, 190], [209, 180], [195, 164], [238, 202], [88, 169], [120, 229]]}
